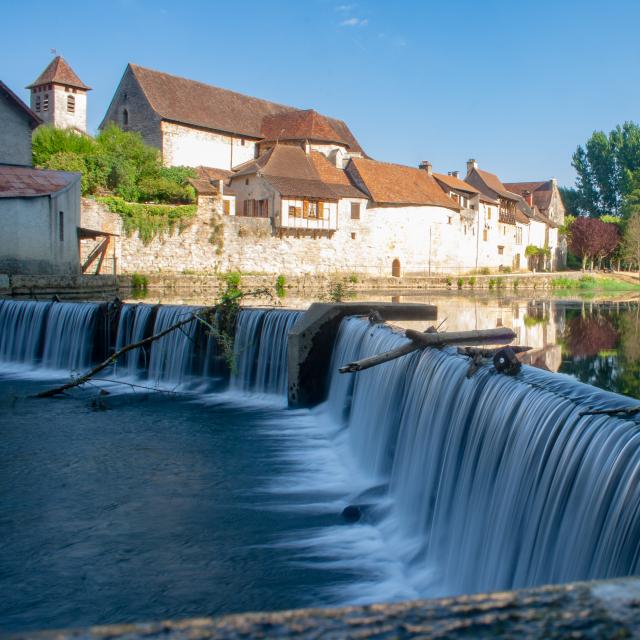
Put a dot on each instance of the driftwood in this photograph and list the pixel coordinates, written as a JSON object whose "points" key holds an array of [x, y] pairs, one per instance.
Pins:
{"points": [[478, 355], [430, 338], [501, 334], [76, 382], [628, 411]]}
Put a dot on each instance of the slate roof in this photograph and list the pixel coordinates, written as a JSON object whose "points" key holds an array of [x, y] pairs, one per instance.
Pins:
{"points": [[542, 192], [455, 183], [290, 171], [58, 71], [26, 182], [398, 184], [204, 105], [34, 120]]}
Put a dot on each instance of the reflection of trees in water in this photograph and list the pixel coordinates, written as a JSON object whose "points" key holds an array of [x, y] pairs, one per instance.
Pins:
{"points": [[589, 335], [602, 347]]}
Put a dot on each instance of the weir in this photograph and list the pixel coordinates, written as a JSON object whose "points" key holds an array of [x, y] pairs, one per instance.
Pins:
{"points": [[482, 484]]}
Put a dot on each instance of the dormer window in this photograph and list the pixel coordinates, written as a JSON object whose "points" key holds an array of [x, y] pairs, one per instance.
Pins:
{"points": [[71, 104], [125, 117]]}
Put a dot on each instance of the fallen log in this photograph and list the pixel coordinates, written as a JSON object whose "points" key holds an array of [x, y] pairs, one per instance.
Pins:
{"points": [[498, 335], [76, 382], [421, 340], [625, 411]]}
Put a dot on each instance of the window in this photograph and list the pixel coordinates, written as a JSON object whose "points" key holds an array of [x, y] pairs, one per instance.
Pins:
{"points": [[263, 208], [488, 213], [125, 117], [242, 142], [448, 219], [326, 211], [45, 102], [61, 225], [353, 236], [38, 103], [249, 208], [500, 250], [485, 234], [518, 235], [295, 212], [355, 211], [455, 196], [246, 181], [312, 210], [226, 207], [71, 104]]}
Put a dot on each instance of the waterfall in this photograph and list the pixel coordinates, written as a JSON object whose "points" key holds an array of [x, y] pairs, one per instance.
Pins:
{"points": [[133, 326], [494, 482], [58, 336], [260, 350]]}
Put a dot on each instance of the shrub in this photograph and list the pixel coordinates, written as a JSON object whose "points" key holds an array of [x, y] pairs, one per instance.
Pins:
{"points": [[485, 271], [149, 220], [449, 281], [460, 283], [232, 279], [139, 282], [353, 278], [516, 283], [492, 283], [472, 281], [280, 283]]}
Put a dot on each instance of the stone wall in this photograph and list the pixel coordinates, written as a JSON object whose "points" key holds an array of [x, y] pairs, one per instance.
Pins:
{"points": [[425, 241], [141, 117], [96, 217]]}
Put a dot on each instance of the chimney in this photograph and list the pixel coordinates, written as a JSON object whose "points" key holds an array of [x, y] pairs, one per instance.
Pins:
{"points": [[471, 165], [528, 196], [554, 182], [426, 166], [455, 174], [220, 186]]}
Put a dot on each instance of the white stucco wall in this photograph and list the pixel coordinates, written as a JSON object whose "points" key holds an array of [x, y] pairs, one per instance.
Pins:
{"points": [[15, 134], [34, 246], [191, 147]]}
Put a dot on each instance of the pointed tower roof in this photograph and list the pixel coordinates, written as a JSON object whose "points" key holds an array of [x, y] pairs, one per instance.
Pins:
{"points": [[60, 72]]}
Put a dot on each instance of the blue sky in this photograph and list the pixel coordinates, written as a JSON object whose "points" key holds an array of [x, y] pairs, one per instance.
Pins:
{"points": [[516, 85]]}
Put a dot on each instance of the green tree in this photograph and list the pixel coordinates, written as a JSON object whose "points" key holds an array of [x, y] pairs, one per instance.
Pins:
{"points": [[608, 168], [631, 241]]}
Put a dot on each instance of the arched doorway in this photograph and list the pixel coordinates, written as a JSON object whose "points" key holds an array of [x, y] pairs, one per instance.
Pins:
{"points": [[395, 268]]}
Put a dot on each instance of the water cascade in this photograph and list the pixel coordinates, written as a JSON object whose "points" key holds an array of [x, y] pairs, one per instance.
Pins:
{"points": [[58, 336], [494, 482]]}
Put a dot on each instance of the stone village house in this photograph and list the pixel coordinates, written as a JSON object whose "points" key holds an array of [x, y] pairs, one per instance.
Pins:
{"points": [[284, 190], [39, 210]]}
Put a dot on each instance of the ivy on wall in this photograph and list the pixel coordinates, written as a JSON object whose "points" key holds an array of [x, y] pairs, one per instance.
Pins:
{"points": [[150, 220]]}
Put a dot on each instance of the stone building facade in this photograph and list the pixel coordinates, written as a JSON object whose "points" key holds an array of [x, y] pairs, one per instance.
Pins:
{"points": [[59, 97]]}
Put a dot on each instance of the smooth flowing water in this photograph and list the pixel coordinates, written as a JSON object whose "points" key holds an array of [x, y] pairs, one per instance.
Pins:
{"points": [[142, 505]]}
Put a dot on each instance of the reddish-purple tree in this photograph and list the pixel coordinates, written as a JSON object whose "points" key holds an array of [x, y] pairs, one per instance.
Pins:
{"points": [[591, 238]]}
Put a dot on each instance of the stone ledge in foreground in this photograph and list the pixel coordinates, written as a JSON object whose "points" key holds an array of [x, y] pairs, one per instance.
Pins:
{"points": [[600, 609]]}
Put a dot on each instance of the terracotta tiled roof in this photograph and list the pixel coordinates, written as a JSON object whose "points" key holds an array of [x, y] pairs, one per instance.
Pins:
{"points": [[60, 72], [290, 171], [337, 178], [34, 121], [303, 125], [213, 173], [25, 182], [541, 191], [398, 184], [493, 182], [203, 105], [454, 183]]}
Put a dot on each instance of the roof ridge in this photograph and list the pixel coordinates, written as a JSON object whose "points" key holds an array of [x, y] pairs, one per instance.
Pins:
{"points": [[214, 86]]}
